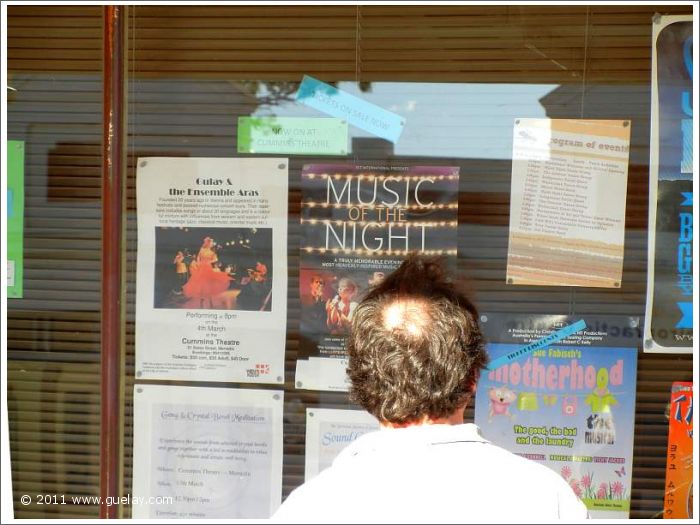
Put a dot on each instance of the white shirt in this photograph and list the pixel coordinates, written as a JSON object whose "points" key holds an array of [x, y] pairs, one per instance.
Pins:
{"points": [[431, 474]]}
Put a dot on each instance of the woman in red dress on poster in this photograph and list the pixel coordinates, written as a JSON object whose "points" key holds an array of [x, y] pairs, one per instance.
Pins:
{"points": [[205, 282]]}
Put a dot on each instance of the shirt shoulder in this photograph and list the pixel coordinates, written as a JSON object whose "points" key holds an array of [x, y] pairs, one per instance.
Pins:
{"points": [[308, 503], [544, 484]]}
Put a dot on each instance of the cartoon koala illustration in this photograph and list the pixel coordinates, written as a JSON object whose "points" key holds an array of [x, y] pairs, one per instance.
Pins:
{"points": [[500, 399]]}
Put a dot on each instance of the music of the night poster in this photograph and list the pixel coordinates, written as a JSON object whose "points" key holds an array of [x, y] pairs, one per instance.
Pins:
{"points": [[358, 223]]}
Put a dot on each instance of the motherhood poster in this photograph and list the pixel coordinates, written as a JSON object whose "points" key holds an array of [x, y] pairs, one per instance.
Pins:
{"points": [[358, 222], [211, 278], [204, 453], [570, 405], [567, 208]]}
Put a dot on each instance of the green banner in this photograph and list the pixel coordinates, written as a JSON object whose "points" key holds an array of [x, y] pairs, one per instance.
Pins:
{"points": [[15, 217], [293, 135]]}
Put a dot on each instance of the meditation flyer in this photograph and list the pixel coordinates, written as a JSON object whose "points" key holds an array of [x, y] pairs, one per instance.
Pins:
{"points": [[329, 431], [211, 280], [567, 207], [358, 223], [202, 453], [569, 405]]}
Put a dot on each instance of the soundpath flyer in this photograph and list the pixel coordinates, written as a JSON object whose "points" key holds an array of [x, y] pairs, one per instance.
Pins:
{"points": [[211, 278], [569, 405], [202, 453], [328, 431], [358, 222]]}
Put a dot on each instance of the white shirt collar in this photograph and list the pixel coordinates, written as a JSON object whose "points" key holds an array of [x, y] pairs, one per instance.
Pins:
{"points": [[388, 440]]}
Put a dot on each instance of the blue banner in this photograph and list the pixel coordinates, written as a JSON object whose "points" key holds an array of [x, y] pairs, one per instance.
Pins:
{"points": [[358, 112], [670, 314]]}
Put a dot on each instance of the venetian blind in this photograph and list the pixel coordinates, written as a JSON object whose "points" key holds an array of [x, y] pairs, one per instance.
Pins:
{"points": [[195, 69], [53, 333]]}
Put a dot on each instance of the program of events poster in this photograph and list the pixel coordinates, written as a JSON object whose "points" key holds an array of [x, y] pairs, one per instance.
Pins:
{"points": [[567, 208], [570, 405], [328, 431], [669, 315], [358, 222], [211, 282], [204, 453], [678, 500]]}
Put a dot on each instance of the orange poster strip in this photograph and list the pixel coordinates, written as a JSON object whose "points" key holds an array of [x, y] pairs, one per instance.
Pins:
{"points": [[678, 498]]}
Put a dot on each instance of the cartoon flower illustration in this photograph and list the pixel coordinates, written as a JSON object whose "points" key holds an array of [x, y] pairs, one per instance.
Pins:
{"points": [[602, 491], [587, 484], [576, 487], [617, 488], [586, 480], [565, 472]]}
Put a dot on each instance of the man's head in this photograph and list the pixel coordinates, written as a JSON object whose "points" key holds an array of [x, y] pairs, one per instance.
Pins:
{"points": [[377, 277], [415, 348], [317, 285]]}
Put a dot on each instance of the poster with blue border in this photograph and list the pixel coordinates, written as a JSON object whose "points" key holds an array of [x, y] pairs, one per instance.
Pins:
{"points": [[569, 405], [669, 315]]}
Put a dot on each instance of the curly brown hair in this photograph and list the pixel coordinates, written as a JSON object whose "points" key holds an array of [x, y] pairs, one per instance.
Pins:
{"points": [[415, 348]]}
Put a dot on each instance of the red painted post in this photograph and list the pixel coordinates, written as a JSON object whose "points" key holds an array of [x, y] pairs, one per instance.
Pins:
{"points": [[112, 314]]}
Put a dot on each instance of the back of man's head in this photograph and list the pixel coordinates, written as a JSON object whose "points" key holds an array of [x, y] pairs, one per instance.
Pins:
{"points": [[415, 349]]}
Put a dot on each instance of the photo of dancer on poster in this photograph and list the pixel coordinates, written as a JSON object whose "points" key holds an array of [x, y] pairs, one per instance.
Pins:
{"points": [[206, 281], [204, 272]]}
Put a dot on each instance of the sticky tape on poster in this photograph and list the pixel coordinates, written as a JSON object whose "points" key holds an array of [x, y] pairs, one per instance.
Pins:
{"points": [[358, 112], [545, 341]]}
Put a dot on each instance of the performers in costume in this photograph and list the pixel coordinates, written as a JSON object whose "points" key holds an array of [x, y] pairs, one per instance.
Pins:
{"points": [[256, 290], [339, 310], [204, 283], [180, 271], [314, 306]]}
